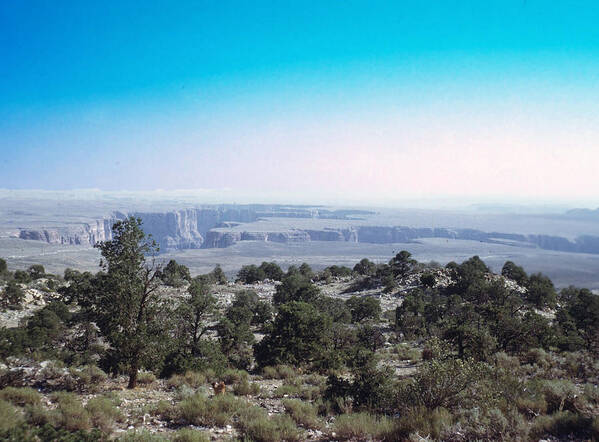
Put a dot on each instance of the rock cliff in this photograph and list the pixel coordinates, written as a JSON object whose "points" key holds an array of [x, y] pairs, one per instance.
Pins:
{"points": [[83, 234], [400, 234], [181, 229], [223, 226]]}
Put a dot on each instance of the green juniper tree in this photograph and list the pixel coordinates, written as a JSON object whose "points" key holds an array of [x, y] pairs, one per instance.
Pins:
{"points": [[126, 304], [193, 313], [12, 297]]}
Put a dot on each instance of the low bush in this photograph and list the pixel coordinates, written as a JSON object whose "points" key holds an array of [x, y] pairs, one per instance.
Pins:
{"points": [[88, 378], [531, 405], [406, 353], [103, 413], [582, 365], [146, 378], [38, 415], [9, 416], [316, 380], [539, 357], [141, 436], [591, 393], [20, 396], [165, 410], [287, 390], [363, 426], [188, 435], [422, 421], [491, 425], [216, 411], [232, 376], [255, 424], [245, 388], [561, 395], [71, 415], [303, 413], [450, 384], [566, 424], [507, 362], [279, 372], [494, 424], [192, 379]]}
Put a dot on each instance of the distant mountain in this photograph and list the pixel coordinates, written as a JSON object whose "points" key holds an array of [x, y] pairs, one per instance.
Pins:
{"points": [[584, 214]]}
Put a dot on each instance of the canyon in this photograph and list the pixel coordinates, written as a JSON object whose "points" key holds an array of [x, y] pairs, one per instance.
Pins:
{"points": [[223, 226]]}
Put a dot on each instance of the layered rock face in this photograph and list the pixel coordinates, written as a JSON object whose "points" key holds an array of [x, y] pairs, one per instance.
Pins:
{"points": [[173, 230], [387, 235], [84, 234], [222, 239], [219, 227], [181, 229]]}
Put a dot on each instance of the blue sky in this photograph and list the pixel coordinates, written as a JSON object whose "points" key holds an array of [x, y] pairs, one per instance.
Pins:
{"points": [[306, 100]]}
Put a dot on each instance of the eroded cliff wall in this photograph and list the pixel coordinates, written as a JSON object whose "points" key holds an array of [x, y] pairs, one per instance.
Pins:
{"points": [[218, 227]]}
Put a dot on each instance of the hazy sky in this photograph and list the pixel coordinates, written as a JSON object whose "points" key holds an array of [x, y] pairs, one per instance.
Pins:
{"points": [[314, 100]]}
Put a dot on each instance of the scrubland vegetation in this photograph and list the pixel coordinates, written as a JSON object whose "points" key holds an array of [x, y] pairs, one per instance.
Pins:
{"points": [[133, 352]]}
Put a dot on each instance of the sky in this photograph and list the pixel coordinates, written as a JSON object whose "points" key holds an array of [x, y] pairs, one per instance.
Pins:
{"points": [[304, 101]]}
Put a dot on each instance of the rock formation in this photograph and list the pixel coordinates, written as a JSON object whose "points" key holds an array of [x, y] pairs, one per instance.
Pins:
{"points": [[222, 226]]}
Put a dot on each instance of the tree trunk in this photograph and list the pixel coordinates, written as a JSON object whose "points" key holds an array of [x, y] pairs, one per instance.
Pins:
{"points": [[133, 375]]}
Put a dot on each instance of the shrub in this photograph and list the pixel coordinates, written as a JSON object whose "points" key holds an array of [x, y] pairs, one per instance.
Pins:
{"points": [[565, 423], [371, 388], [254, 424], [231, 376], [303, 413], [174, 274], [192, 379], [146, 378], [407, 353], [287, 390], [541, 291], [449, 384], [362, 426], [507, 362], [36, 271], [531, 405], [423, 421], [21, 276], [12, 297], [591, 392], [9, 416], [141, 436], [428, 279], [561, 395], [245, 388], [103, 413], [71, 415], [474, 424], [88, 377], [37, 415], [539, 357], [20, 396], [316, 380], [279, 372], [250, 274], [216, 411], [365, 307], [188, 435], [165, 410], [365, 267], [582, 365], [298, 336]]}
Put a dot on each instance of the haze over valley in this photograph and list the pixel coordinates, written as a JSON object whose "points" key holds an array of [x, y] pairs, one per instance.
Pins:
{"points": [[60, 232]]}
